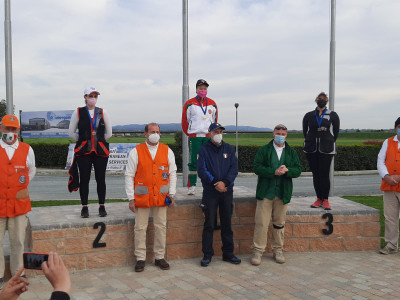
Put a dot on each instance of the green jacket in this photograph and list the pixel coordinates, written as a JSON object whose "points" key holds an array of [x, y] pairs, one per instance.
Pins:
{"points": [[266, 173]]}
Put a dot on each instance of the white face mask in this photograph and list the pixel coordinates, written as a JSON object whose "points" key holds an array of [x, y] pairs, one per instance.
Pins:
{"points": [[91, 101], [154, 138], [217, 138], [9, 137]]}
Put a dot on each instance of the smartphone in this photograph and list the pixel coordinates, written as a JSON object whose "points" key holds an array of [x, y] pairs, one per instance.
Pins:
{"points": [[34, 260]]}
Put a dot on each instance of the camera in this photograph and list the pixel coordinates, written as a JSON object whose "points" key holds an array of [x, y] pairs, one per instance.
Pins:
{"points": [[34, 260]]}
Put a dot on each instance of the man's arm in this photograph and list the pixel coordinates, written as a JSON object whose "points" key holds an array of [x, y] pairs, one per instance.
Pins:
{"points": [[130, 173], [295, 168], [202, 171], [172, 175], [258, 166], [30, 163], [233, 169]]}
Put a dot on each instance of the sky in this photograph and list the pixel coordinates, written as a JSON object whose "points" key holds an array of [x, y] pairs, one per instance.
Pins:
{"points": [[270, 56]]}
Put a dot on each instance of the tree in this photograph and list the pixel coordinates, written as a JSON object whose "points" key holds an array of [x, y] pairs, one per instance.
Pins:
{"points": [[3, 108]]}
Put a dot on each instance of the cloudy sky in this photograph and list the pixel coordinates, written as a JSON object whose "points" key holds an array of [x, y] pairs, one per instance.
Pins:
{"points": [[270, 56]]}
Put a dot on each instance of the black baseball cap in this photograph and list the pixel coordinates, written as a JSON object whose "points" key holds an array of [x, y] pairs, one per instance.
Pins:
{"points": [[397, 122], [200, 82], [214, 126]]}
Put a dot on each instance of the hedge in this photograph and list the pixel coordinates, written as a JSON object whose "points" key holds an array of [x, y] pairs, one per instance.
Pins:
{"points": [[349, 158]]}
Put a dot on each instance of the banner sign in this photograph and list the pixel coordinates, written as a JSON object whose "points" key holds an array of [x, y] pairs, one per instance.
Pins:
{"points": [[45, 124], [117, 160]]}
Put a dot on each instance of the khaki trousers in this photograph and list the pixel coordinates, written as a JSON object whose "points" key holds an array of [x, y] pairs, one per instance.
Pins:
{"points": [[160, 230], [391, 208], [265, 210], [16, 231]]}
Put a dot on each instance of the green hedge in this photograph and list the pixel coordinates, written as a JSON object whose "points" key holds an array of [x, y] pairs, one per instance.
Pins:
{"points": [[349, 158]]}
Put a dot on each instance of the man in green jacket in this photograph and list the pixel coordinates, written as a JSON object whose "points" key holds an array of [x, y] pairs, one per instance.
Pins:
{"points": [[275, 164]]}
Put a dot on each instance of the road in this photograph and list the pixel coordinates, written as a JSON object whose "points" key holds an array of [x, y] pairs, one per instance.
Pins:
{"points": [[54, 186]]}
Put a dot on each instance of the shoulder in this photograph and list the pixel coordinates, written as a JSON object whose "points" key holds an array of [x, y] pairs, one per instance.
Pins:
{"points": [[310, 113], [191, 101], [211, 102], [228, 147]]}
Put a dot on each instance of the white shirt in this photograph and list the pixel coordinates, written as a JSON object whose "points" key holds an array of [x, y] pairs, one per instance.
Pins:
{"points": [[278, 150], [382, 169], [30, 159], [131, 169], [73, 124]]}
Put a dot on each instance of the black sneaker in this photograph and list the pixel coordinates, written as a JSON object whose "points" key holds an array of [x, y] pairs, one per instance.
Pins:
{"points": [[205, 261], [139, 267], [232, 259], [102, 211], [85, 212]]}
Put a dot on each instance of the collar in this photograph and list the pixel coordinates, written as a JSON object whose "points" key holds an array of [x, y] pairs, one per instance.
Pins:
{"points": [[4, 145], [395, 138], [151, 146], [279, 148]]}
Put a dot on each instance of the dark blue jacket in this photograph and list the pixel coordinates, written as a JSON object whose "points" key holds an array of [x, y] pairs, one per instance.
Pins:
{"points": [[217, 163]]}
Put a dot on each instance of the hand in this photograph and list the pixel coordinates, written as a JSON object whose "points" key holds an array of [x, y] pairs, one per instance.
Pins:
{"points": [[281, 170], [390, 179], [172, 202], [132, 206], [220, 186], [396, 177], [14, 287], [56, 273]]}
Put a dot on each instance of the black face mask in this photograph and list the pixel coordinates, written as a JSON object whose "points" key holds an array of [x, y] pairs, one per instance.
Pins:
{"points": [[321, 103]]}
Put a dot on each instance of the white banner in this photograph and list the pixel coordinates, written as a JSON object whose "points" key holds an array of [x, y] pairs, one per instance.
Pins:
{"points": [[117, 160], [45, 124]]}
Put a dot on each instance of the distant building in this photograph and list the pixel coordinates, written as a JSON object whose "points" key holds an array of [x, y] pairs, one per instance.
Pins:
{"points": [[64, 124], [38, 124]]}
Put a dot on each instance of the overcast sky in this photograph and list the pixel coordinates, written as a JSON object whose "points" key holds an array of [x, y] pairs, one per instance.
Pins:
{"points": [[270, 56]]}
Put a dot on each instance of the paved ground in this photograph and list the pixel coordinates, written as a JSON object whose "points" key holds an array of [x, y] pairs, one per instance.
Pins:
{"points": [[323, 275]]}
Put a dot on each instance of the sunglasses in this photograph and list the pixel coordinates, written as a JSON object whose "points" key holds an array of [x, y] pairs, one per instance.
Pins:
{"points": [[280, 128]]}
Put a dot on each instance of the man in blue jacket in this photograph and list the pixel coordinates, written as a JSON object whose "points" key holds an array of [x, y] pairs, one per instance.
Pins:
{"points": [[217, 169]]}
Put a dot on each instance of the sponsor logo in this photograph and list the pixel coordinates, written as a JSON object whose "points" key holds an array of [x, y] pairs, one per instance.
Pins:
{"points": [[225, 155], [22, 179], [165, 175], [210, 111], [12, 119]]}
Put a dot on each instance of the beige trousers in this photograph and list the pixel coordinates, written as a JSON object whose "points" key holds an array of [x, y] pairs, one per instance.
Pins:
{"points": [[265, 210], [391, 208], [16, 231], [160, 230]]}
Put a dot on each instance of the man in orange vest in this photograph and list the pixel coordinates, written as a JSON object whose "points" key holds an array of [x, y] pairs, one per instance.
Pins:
{"points": [[150, 184], [389, 169], [17, 169]]}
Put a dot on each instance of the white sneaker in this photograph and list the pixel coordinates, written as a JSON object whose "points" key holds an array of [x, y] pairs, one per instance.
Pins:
{"points": [[279, 258], [256, 259], [191, 190]]}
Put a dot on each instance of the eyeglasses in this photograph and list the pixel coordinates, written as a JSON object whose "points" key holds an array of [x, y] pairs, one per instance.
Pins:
{"points": [[92, 96], [280, 128]]}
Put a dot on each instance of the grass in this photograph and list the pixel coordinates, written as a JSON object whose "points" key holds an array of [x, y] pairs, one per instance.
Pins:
{"points": [[245, 139], [375, 202]]}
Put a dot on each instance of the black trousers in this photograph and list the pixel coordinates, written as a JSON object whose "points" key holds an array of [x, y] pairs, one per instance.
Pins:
{"points": [[85, 163], [212, 201], [320, 164]]}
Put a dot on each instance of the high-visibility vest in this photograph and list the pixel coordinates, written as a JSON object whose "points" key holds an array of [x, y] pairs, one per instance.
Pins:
{"points": [[392, 163], [151, 178], [14, 174]]}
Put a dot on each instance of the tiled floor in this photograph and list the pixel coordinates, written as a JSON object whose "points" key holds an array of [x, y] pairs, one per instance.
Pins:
{"points": [[319, 275]]}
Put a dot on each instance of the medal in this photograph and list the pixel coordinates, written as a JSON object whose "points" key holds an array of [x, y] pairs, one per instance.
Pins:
{"points": [[205, 118], [201, 106], [93, 132]]}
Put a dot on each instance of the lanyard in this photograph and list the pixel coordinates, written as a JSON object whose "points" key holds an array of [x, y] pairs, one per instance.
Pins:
{"points": [[319, 120], [90, 118], [201, 106]]}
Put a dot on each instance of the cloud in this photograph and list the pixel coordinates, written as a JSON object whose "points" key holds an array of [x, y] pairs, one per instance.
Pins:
{"points": [[270, 56]]}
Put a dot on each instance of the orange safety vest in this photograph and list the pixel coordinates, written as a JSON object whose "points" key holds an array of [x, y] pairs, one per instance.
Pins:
{"points": [[392, 163], [151, 178], [14, 174]]}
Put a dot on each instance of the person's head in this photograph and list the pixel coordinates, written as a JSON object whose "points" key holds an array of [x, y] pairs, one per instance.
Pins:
{"points": [[321, 100], [9, 129], [216, 130], [201, 88], [90, 94], [397, 126], [280, 134], [152, 133]]}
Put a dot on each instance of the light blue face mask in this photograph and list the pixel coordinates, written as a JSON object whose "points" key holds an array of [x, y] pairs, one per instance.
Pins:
{"points": [[279, 139], [398, 132]]}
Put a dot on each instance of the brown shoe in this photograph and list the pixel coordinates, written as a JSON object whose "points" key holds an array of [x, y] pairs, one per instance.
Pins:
{"points": [[162, 263], [139, 267]]}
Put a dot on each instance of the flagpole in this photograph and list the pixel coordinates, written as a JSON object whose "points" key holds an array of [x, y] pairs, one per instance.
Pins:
{"points": [[185, 89], [8, 58]]}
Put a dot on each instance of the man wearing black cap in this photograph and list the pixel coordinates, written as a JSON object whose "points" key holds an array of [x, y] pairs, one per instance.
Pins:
{"points": [[217, 169], [389, 169], [198, 113]]}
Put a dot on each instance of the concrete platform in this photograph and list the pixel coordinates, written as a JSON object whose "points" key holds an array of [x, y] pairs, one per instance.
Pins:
{"points": [[355, 227]]}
